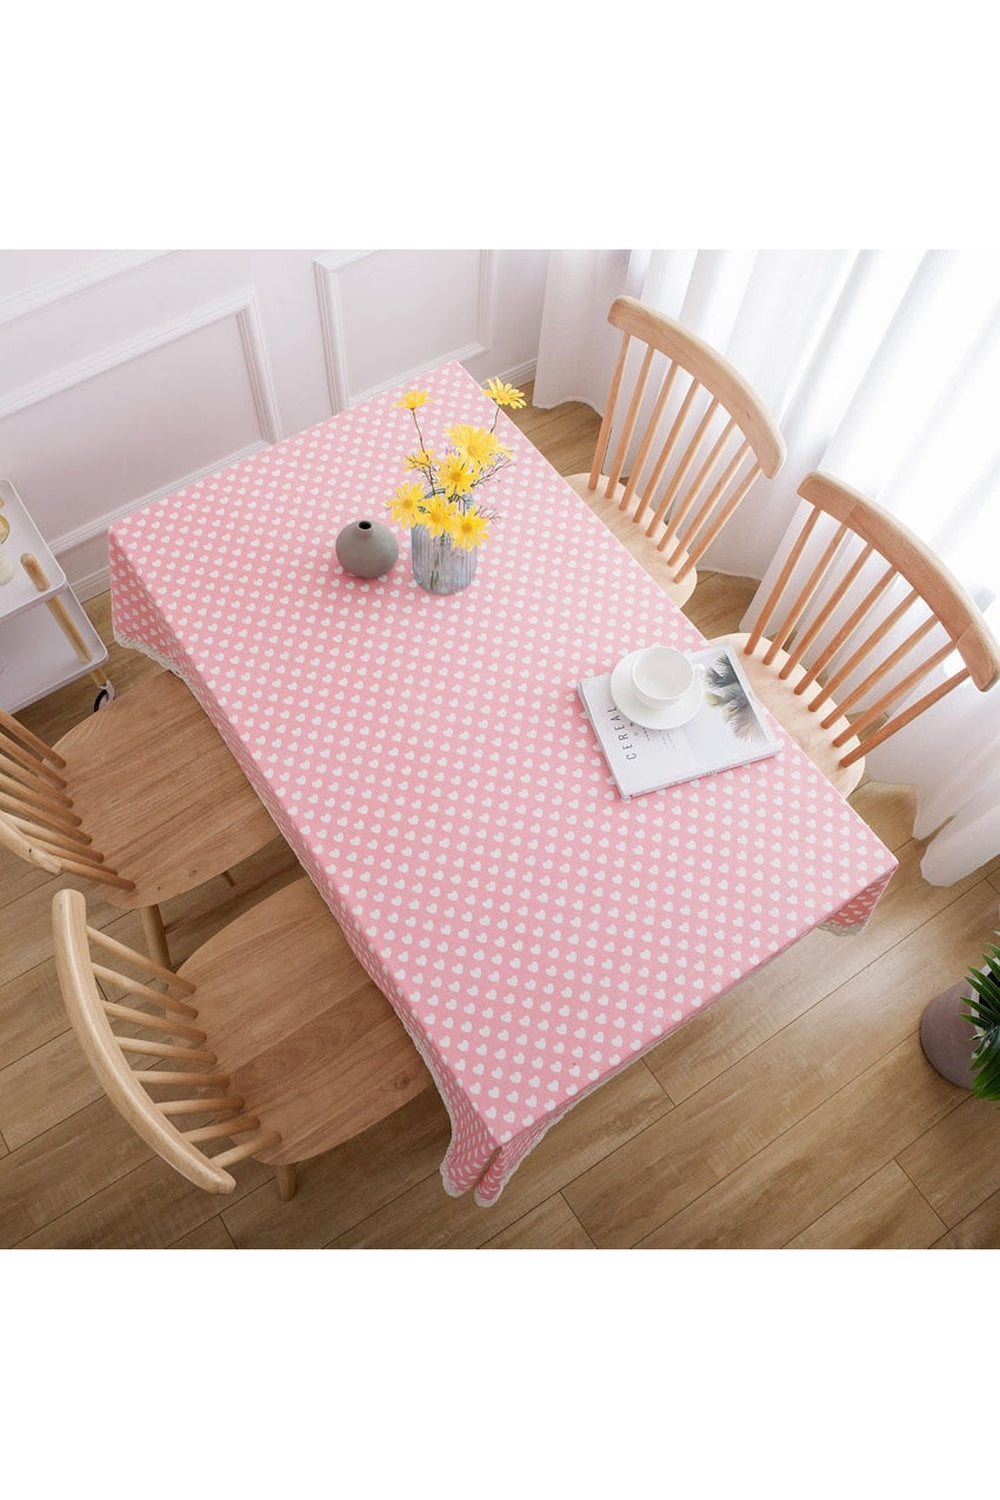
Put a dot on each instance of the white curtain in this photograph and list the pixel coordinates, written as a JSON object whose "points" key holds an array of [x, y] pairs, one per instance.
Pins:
{"points": [[881, 367]]}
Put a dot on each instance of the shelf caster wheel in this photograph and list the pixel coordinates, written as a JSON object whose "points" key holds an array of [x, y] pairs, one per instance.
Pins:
{"points": [[104, 697]]}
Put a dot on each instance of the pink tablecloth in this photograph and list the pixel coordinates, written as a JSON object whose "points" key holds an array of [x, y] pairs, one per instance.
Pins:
{"points": [[428, 760]]}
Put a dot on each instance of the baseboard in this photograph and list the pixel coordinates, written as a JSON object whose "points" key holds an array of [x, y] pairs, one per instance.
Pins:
{"points": [[521, 374], [92, 585]]}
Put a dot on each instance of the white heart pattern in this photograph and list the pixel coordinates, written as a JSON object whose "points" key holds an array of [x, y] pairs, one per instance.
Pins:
{"points": [[428, 760]]}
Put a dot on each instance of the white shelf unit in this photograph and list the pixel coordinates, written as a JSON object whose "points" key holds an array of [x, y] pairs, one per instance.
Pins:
{"points": [[37, 624]]}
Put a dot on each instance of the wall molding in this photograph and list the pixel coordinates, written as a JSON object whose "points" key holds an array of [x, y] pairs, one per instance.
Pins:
{"points": [[327, 269], [92, 584], [242, 305], [261, 377], [72, 283], [88, 585], [520, 374], [97, 530]]}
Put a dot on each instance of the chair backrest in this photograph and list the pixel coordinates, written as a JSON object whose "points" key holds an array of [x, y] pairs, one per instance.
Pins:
{"points": [[37, 820], [157, 1027], [682, 487], [871, 612]]}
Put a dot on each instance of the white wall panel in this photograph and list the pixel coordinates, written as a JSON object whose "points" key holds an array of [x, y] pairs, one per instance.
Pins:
{"points": [[125, 373], [22, 272], [390, 313], [94, 438]]}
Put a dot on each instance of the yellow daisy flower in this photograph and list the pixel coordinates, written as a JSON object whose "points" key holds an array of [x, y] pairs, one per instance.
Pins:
{"points": [[413, 399], [456, 475], [406, 503], [438, 516], [504, 394], [469, 529], [477, 444], [422, 459]]}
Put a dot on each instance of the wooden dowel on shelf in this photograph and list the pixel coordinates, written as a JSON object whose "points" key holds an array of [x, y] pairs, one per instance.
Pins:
{"points": [[35, 571], [37, 574]]}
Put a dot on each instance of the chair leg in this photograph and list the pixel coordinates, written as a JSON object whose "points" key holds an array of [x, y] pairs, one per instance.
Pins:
{"points": [[156, 935], [286, 1182]]}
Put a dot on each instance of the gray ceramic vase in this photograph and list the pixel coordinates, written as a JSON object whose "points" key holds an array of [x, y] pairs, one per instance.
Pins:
{"points": [[948, 1039], [367, 549]]}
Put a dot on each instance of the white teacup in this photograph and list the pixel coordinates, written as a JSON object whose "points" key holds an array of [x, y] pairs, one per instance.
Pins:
{"points": [[662, 677]]}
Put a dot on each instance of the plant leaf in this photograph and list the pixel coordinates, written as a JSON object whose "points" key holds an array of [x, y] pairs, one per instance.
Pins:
{"points": [[984, 1013]]}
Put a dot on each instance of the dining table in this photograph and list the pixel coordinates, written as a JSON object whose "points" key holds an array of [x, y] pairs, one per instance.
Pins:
{"points": [[429, 761]]}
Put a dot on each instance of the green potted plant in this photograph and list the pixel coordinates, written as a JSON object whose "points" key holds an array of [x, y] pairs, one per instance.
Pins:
{"points": [[984, 1014], [960, 1029]]}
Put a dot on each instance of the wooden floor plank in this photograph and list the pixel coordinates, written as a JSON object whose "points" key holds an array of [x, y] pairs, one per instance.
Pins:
{"points": [[886, 1212], [44, 1088], [550, 1226], [979, 1230], [957, 1164], [816, 1162], [567, 435], [57, 1171], [17, 878], [212, 1235], [26, 925], [718, 602], [888, 811], [760, 1006], [738, 1113], [426, 1216], [149, 1208], [31, 1012]]}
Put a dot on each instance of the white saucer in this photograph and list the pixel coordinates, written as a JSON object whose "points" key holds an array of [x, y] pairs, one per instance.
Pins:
{"points": [[627, 701]]}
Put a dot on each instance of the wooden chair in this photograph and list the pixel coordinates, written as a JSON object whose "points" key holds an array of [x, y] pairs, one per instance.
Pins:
{"points": [[269, 1042], [870, 611], [143, 798], [683, 485]]}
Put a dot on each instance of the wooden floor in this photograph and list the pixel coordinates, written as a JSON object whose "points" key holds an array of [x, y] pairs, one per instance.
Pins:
{"points": [[799, 1111]]}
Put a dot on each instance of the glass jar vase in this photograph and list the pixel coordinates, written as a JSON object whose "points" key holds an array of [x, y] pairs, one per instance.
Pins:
{"points": [[439, 566]]}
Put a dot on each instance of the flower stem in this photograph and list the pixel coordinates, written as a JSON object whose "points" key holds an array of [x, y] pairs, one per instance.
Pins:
{"points": [[425, 468]]}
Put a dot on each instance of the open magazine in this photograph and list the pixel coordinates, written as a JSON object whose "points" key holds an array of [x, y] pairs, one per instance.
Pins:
{"points": [[729, 729]]}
